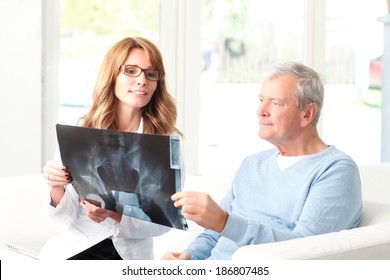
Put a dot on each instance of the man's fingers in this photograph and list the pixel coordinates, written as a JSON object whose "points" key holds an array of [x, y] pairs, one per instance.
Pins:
{"points": [[180, 195]]}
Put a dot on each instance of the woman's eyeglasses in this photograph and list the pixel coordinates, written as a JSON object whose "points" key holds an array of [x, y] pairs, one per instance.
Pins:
{"points": [[135, 71]]}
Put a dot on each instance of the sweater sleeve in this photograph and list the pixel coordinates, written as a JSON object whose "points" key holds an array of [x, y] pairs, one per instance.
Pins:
{"points": [[333, 203], [201, 247]]}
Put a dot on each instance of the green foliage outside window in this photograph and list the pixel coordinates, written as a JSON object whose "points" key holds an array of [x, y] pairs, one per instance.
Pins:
{"points": [[110, 17]]}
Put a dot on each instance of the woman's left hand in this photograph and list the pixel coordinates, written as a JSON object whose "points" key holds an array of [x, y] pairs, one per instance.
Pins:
{"points": [[98, 214]]}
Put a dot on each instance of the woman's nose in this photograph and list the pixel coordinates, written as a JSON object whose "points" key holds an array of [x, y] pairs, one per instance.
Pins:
{"points": [[141, 79]]}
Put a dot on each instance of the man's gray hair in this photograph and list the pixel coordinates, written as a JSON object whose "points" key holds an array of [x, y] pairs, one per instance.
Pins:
{"points": [[309, 87]]}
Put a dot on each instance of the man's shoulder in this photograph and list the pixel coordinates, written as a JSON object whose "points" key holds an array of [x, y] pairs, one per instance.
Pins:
{"points": [[338, 155], [330, 160]]}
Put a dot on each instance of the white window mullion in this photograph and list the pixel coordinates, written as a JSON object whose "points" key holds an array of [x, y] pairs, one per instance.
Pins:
{"points": [[180, 46], [314, 39]]}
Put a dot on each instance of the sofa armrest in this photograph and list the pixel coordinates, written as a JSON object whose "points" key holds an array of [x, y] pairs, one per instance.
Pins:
{"points": [[22, 210], [365, 243], [371, 240]]}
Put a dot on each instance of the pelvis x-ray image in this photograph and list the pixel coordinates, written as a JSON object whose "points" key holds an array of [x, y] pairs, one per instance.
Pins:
{"points": [[129, 173]]}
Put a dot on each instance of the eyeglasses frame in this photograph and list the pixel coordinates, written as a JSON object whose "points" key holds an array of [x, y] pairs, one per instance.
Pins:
{"points": [[123, 67]]}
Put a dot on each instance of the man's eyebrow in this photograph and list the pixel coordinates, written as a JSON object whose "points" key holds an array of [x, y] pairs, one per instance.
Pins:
{"points": [[271, 98]]}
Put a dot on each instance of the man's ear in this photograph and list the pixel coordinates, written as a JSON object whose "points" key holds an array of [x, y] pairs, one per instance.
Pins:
{"points": [[309, 114]]}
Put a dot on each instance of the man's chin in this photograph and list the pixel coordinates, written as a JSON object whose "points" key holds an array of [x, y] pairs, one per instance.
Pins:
{"points": [[262, 135]]}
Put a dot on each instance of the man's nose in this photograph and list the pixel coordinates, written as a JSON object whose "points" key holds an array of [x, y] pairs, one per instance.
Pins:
{"points": [[261, 110]]}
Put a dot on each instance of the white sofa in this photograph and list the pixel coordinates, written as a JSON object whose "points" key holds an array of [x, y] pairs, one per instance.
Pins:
{"points": [[24, 220], [23, 216], [370, 241]]}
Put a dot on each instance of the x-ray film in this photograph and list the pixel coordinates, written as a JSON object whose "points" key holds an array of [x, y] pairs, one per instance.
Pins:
{"points": [[129, 173]]}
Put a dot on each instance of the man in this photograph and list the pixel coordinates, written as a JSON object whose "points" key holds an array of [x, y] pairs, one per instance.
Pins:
{"points": [[302, 187]]}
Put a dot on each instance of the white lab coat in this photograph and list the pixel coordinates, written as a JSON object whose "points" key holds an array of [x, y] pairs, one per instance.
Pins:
{"points": [[132, 238]]}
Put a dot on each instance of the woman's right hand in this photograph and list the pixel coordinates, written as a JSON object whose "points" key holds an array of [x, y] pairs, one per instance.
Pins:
{"points": [[56, 175]]}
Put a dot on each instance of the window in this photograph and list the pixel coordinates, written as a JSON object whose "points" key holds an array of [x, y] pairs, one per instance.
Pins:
{"points": [[241, 38], [352, 113], [88, 30]]}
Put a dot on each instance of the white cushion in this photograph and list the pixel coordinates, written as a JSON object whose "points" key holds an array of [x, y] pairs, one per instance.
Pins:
{"points": [[369, 241]]}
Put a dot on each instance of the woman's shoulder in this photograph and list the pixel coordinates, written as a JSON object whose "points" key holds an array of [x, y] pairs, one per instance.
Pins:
{"points": [[81, 121]]}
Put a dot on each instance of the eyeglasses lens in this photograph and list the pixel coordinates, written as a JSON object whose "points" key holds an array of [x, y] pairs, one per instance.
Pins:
{"points": [[135, 71]]}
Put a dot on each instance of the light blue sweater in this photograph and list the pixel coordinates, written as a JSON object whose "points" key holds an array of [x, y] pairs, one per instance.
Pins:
{"points": [[320, 193]]}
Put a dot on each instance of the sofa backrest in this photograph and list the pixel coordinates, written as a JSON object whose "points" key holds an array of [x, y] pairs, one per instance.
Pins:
{"points": [[376, 182]]}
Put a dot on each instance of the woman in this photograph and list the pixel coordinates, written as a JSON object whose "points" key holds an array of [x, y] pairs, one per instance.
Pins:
{"points": [[130, 95]]}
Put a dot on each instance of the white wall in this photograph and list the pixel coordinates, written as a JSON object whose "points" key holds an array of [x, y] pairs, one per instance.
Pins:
{"points": [[20, 94], [24, 140]]}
